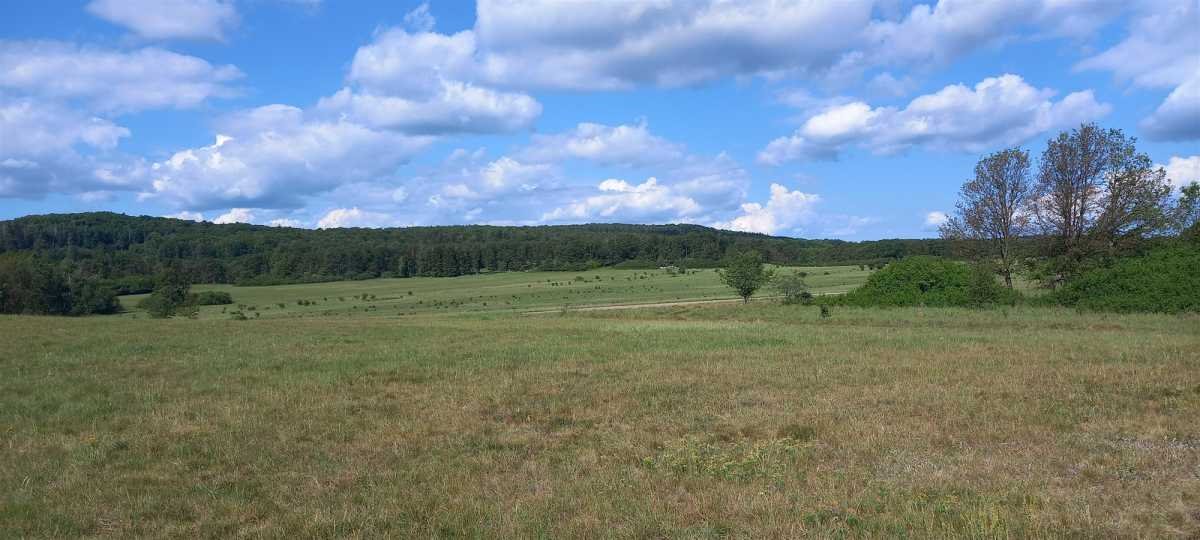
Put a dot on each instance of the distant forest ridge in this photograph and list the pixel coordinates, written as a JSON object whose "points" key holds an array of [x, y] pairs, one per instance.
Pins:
{"points": [[128, 251]]}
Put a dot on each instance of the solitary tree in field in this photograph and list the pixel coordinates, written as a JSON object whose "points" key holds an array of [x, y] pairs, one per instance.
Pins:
{"points": [[1097, 195], [170, 294], [745, 273], [792, 287], [991, 207]]}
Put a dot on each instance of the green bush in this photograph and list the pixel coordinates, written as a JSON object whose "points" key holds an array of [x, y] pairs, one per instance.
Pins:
{"points": [[1165, 280], [210, 298], [930, 281]]}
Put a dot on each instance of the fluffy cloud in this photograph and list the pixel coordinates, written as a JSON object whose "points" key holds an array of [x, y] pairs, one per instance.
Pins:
{"points": [[190, 216], [272, 156], [619, 200], [354, 217], [1161, 52], [425, 82], [784, 211], [499, 177], [168, 19], [607, 45], [1178, 117], [111, 81], [413, 64], [935, 219], [236, 215], [48, 148], [285, 222], [1155, 53], [951, 28], [1001, 110], [457, 108], [627, 145], [616, 45], [1182, 171]]}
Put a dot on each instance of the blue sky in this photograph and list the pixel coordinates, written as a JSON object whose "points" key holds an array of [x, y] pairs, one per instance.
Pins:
{"points": [[821, 119]]}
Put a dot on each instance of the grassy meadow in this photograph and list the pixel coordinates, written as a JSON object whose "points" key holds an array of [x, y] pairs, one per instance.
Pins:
{"points": [[697, 421], [495, 292]]}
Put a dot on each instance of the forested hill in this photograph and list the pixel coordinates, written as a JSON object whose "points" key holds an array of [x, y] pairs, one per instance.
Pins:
{"points": [[123, 248]]}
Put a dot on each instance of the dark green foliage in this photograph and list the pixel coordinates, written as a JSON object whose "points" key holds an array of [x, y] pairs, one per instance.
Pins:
{"points": [[825, 314], [89, 297], [1164, 280], [32, 286], [125, 250], [211, 298], [930, 281], [745, 274], [169, 296]]}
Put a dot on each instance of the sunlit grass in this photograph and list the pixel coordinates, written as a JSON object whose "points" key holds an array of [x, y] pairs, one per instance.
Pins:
{"points": [[694, 421], [495, 292]]}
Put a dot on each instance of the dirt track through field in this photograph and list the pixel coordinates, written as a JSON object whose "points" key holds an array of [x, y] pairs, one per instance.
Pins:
{"points": [[610, 307]]}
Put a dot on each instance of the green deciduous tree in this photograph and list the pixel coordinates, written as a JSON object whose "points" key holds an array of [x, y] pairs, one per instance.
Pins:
{"points": [[170, 294], [745, 273]]}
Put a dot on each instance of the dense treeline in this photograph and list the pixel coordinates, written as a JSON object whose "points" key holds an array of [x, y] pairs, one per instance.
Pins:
{"points": [[126, 251], [29, 285]]}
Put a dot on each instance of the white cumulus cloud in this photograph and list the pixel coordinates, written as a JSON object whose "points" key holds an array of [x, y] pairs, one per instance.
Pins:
{"points": [[169, 19], [110, 80], [625, 144], [354, 217], [783, 212], [457, 108], [272, 156], [236, 215], [1182, 171], [1161, 51], [48, 148], [619, 200], [1002, 110]]}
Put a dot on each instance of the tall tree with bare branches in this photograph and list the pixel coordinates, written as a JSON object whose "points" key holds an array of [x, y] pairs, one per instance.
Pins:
{"points": [[991, 208]]}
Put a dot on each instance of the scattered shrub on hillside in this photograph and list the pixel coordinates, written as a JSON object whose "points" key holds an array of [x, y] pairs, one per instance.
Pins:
{"points": [[825, 314], [1165, 280], [930, 281], [792, 287]]}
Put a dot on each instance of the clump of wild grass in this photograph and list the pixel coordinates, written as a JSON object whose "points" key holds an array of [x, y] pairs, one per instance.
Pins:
{"points": [[741, 460]]}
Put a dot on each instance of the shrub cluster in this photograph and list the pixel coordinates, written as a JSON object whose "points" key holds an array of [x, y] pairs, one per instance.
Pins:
{"points": [[1165, 280], [930, 281]]}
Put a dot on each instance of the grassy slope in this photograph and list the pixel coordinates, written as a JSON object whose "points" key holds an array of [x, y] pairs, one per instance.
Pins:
{"points": [[751, 421], [501, 292]]}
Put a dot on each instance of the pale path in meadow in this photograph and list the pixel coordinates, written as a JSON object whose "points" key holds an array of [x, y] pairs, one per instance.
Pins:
{"points": [[658, 304]]}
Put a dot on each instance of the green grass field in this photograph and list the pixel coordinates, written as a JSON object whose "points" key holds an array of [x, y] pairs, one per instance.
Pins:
{"points": [[496, 293], [698, 421]]}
